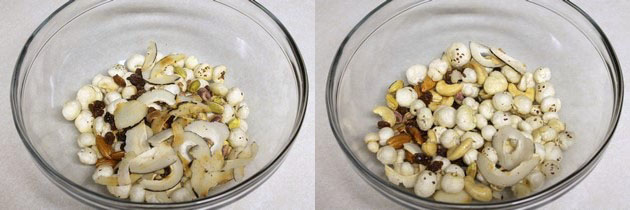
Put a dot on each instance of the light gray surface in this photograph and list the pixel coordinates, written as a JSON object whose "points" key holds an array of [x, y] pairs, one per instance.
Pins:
{"points": [[339, 187], [292, 186]]}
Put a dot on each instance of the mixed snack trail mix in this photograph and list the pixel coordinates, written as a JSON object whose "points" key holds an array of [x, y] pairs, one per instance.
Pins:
{"points": [[473, 125], [162, 129]]}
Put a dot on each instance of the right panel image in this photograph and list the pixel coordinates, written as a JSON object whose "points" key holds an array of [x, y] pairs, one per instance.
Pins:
{"points": [[464, 104]]}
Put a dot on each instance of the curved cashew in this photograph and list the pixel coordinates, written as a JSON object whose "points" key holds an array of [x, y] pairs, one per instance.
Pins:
{"points": [[529, 92], [481, 72], [395, 86], [479, 192], [447, 101], [448, 90], [385, 113], [521, 190], [429, 148], [460, 197], [459, 151]]}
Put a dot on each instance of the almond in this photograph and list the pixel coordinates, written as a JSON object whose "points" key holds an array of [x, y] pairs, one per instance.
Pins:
{"points": [[397, 141], [117, 155], [105, 161], [103, 148], [427, 84], [415, 133]]}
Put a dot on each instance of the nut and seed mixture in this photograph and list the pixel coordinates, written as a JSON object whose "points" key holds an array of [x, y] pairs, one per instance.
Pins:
{"points": [[162, 129], [473, 125]]}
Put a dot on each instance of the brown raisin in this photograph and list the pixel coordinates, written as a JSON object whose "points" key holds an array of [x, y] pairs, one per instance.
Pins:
{"points": [[402, 110], [121, 136], [109, 118], [169, 121], [421, 158], [119, 81], [109, 138], [382, 124], [441, 151], [435, 166], [97, 108], [426, 97], [138, 94], [137, 80]]}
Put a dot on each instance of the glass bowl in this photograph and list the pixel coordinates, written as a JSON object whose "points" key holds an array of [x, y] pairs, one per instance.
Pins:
{"points": [[399, 34], [85, 38]]}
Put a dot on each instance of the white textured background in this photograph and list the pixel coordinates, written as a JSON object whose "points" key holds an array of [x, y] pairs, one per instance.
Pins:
{"points": [[25, 187], [339, 187]]}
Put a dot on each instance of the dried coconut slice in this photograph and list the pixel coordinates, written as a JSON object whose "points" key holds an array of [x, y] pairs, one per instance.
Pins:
{"points": [[160, 66], [483, 55], [154, 159], [242, 161], [129, 113], [515, 64], [157, 95], [136, 139], [215, 131], [158, 138], [167, 182], [149, 59]]}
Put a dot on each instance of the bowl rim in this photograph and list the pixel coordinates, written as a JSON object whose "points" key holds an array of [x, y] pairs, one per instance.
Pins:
{"points": [[536, 199], [228, 196]]}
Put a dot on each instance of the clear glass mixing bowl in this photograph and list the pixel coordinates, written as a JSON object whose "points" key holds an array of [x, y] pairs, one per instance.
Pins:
{"points": [[556, 34], [84, 38]]}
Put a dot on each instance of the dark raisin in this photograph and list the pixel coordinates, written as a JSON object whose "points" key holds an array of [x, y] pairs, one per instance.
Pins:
{"points": [[426, 97], [109, 118], [456, 105], [119, 81], [138, 94], [122, 146], [121, 136], [169, 121], [402, 110], [460, 163], [441, 151], [109, 138], [137, 80], [97, 108], [382, 124], [435, 166], [447, 77], [421, 158], [167, 171]]}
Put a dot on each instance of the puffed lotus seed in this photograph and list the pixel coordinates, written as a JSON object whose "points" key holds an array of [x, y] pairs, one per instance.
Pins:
{"points": [[542, 75], [218, 75], [242, 111], [87, 156], [415, 74], [203, 71], [405, 96], [502, 101], [437, 69], [71, 110], [234, 96], [459, 54], [191, 62]]}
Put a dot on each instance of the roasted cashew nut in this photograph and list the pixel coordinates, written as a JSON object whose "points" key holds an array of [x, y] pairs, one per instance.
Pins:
{"points": [[459, 151], [479, 192]]}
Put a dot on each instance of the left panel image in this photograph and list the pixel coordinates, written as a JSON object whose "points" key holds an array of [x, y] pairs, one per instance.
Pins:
{"points": [[158, 104]]}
